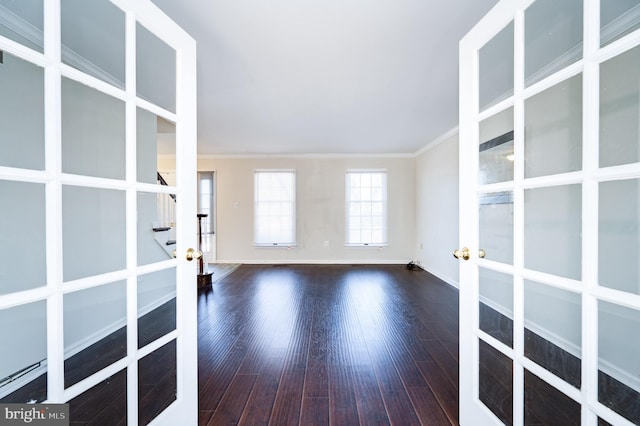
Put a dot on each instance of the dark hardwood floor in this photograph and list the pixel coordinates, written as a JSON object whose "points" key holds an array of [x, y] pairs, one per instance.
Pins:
{"points": [[339, 345]]}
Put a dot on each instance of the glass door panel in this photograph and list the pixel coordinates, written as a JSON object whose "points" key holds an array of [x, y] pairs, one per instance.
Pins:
{"points": [[95, 330], [93, 39], [552, 333], [617, 19], [620, 109], [553, 123], [618, 362], [23, 22], [93, 231], [553, 37], [496, 68], [618, 233], [563, 219], [113, 408], [553, 229], [496, 148], [496, 382], [21, 113], [93, 132], [544, 405], [155, 70], [22, 231], [156, 305], [496, 305], [23, 371], [496, 226], [157, 383]]}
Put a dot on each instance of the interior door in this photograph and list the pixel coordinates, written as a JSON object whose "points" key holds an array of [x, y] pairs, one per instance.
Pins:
{"points": [[550, 214], [96, 310]]}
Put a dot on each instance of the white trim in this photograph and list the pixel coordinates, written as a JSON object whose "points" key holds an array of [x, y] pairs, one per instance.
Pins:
{"points": [[299, 156], [437, 141], [448, 280]]}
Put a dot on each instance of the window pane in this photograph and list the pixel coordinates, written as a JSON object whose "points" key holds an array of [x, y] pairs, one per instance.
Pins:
{"points": [[496, 148], [496, 305], [366, 200], [274, 207], [24, 22], [496, 226]]}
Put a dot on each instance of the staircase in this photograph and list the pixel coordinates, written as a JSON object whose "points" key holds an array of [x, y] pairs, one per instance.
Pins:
{"points": [[165, 227]]}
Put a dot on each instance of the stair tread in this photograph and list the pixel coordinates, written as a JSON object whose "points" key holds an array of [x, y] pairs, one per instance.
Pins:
{"points": [[164, 228], [170, 242]]}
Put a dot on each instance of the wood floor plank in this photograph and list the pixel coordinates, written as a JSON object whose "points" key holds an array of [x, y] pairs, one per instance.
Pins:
{"points": [[315, 411], [343, 409], [260, 404], [442, 388], [232, 405], [428, 407]]}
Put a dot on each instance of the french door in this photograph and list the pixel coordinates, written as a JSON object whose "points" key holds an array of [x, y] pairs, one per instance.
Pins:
{"points": [[550, 214], [95, 310]]}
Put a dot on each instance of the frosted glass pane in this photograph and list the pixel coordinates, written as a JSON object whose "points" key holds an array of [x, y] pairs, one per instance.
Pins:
{"points": [[618, 18], [22, 230], [155, 69], [618, 232], [23, 22], [553, 332], [155, 137], [620, 109], [553, 230], [496, 305], [95, 330], [496, 148], [619, 365], [93, 132], [495, 382], [156, 305], [496, 226], [93, 39], [553, 37], [93, 231], [553, 130], [496, 68], [156, 227], [26, 360], [21, 114]]}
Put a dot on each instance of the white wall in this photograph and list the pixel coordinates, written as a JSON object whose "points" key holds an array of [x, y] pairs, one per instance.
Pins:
{"points": [[320, 215], [437, 209]]}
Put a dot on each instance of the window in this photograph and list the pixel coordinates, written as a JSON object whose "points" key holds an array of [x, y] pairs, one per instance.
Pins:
{"points": [[275, 207], [366, 205]]}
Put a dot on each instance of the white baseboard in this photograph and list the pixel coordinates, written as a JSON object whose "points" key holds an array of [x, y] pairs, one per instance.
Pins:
{"points": [[446, 279], [318, 262]]}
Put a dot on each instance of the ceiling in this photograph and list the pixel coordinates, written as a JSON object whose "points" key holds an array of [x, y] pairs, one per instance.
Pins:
{"points": [[325, 77]]}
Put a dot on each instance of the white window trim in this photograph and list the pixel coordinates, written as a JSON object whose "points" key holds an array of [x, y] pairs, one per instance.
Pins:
{"points": [[377, 245], [275, 245]]}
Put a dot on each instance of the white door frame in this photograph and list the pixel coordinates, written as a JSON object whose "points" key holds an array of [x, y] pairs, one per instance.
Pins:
{"points": [[472, 411], [184, 409]]}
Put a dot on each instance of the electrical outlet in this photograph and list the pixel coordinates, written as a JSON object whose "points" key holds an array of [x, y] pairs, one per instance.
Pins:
{"points": [[326, 244], [421, 246]]}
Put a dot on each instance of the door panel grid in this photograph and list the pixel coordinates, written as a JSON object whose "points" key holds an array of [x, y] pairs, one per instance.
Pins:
{"points": [[66, 294], [597, 377]]}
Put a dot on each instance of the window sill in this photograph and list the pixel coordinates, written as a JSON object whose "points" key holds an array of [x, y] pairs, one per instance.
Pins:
{"points": [[276, 246]]}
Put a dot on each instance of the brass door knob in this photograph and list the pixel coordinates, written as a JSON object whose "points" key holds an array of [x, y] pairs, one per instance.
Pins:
{"points": [[461, 253], [482, 254], [193, 254]]}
